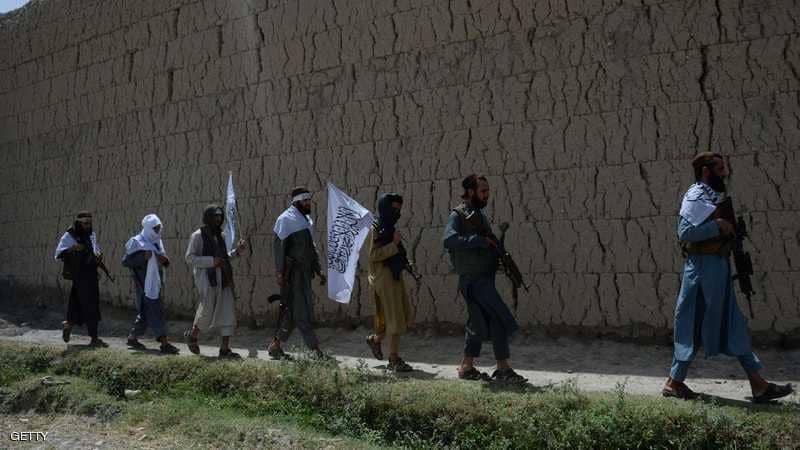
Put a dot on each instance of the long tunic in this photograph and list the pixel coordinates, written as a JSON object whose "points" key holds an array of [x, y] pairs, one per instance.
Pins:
{"points": [[393, 312], [150, 311], [84, 297], [215, 309], [300, 253], [487, 314], [706, 312]]}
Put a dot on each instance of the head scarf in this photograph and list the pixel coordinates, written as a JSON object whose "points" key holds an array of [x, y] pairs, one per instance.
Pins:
{"points": [[149, 240], [384, 232], [293, 220]]}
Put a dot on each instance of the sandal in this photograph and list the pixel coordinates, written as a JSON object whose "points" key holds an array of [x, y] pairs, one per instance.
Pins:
{"points": [[66, 331], [191, 342], [682, 392], [228, 354], [398, 365], [773, 392], [375, 346], [135, 344], [473, 374], [277, 354], [508, 376], [319, 355], [98, 343], [169, 349]]}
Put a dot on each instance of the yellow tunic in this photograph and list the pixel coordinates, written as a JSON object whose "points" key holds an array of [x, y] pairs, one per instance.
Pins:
{"points": [[393, 313]]}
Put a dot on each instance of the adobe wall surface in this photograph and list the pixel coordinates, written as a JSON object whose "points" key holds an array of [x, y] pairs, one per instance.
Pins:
{"points": [[583, 113]]}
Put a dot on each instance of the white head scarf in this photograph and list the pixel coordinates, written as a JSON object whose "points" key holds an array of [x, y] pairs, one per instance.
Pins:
{"points": [[292, 221], [149, 240]]}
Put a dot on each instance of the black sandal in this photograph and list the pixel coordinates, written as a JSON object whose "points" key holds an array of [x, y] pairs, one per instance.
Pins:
{"points": [[681, 392], [228, 354], [135, 344], [277, 354], [169, 349], [508, 376], [773, 392], [98, 343], [473, 374], [191, 342], [398, 365], [375, 346]]}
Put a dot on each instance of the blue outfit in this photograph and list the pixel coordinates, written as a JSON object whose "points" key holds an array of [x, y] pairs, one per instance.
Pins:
{"points": [[706, 312], [150, 311], [489, 319]]}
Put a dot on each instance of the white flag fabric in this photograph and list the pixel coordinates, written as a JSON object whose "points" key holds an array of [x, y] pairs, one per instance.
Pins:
{"points": [[230, 214], [348, 227]]}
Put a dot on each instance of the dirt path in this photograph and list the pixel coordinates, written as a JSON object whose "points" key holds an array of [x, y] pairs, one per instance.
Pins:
{"points": [[594, 365]]}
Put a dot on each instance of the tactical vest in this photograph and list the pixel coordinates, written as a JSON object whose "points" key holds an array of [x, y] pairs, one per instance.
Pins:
{"points": [[719, 245], [473, 261]]}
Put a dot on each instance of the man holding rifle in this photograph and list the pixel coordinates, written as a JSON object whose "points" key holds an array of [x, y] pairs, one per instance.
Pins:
{"points": [[706, 312], [296, 264], [475, 252], [81, 256]]}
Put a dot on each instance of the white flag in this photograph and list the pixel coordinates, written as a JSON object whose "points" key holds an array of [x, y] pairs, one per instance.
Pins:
{"points": [[230, 214], [348, 226]]}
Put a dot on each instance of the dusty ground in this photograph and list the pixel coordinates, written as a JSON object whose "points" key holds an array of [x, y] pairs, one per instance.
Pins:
{"points": [[594, 365]]}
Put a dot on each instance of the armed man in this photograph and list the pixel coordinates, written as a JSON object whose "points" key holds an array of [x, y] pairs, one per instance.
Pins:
{"points": [[475, 252], [296, 263], [706, 312], [81, 255]]}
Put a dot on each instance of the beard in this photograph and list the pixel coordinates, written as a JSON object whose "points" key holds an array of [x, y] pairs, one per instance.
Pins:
{"points": [[306, 210], [478, 203], [716, 183]]}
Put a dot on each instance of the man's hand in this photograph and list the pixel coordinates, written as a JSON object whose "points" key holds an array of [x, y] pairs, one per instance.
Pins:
{"points": [[397, 237], [241, 245], [163, 260], [492, 243], [279, 279], [218, 262], [725, 227]]}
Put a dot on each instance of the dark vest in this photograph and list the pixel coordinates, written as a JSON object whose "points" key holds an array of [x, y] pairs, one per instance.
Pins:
{"points": [[719, 245], [473, 261]]}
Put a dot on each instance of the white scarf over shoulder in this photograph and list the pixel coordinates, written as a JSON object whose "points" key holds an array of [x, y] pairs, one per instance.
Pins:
{"points": [[699, 202], [149, 240]]}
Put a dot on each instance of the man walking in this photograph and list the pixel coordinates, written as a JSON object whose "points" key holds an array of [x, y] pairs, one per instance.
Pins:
{"points": [[706, 312], [474, 254], [296, 264], [210, 261], [81, 255], [146, 258]]}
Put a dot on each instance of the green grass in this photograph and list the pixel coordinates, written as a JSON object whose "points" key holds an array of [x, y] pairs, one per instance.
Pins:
{"points": [[223, 402]]}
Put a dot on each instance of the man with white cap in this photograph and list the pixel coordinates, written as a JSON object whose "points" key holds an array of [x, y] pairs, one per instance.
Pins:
{"points": [[296, 264], [146, 257]]}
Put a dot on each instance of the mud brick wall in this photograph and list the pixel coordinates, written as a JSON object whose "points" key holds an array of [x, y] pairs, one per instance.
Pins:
{"points": [[583, 113]]}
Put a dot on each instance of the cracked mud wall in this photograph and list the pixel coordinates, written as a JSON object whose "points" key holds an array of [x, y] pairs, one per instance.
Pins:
{"points": [[583, 113]]}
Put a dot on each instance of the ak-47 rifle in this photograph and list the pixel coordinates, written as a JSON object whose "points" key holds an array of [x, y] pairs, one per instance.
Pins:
{"points": [[102, 266], [409, 265], [507, 263], [510, 267], [741, 259], [743, 263]]}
